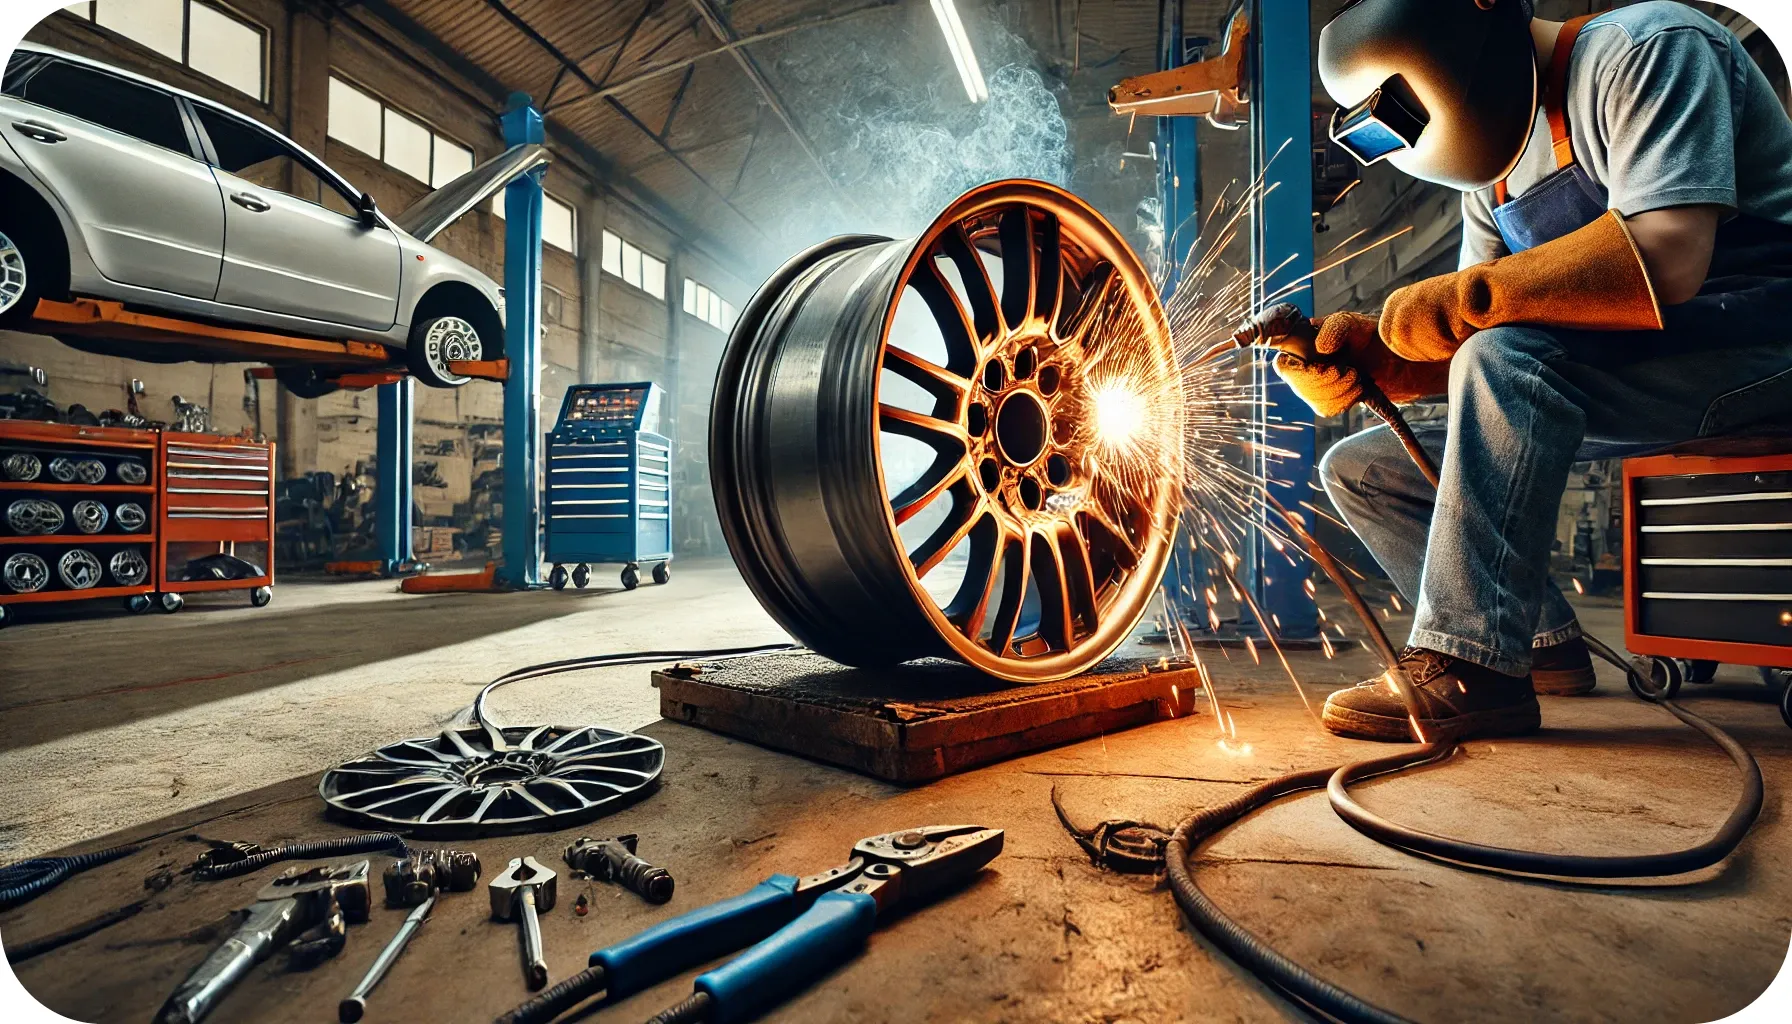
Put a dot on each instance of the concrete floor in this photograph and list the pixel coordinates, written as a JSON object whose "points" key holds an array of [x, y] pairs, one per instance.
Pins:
{"points": [[217, 720]]}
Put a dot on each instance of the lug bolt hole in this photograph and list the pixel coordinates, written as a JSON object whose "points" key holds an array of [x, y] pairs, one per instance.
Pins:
{"points": [[977, 419], [1031, 495], [1057, 470], [990, 473], [1049, 379], [1025, 362], [995, 376]]}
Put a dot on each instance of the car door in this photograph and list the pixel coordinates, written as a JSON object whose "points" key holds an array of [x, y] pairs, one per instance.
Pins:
{"points": [[119, 156], [294, 241]]}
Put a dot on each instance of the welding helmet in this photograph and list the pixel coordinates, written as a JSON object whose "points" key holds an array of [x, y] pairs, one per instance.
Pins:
{"points": [[1445, 90]]}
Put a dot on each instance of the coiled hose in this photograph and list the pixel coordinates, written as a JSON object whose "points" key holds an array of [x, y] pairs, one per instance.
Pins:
{"points": [[29, 879], [1315, 992], [231, 860]]}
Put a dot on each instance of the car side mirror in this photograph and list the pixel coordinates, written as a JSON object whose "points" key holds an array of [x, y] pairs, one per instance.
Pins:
{"points": [[367, 209]]}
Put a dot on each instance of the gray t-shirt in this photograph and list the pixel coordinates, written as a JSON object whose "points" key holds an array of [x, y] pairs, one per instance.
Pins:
{"points": [[1665, 108]]}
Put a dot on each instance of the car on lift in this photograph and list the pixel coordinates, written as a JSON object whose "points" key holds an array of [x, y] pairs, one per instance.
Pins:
{"points": [[115, 186]]}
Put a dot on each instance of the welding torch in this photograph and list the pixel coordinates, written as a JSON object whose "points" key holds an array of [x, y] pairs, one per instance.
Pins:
{"points": [[1287, 329]]}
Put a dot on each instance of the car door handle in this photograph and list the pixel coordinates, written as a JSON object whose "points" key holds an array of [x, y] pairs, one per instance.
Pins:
{"points": [[251, 202], [39, 132]]}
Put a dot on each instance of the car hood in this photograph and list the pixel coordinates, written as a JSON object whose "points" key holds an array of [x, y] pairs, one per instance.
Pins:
{"points": [[429, 215]]}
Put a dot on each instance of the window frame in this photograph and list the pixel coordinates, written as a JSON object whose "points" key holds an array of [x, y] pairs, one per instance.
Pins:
{"points": [[194, 150], [435, 134], [324, 173], [264, 94], [620, 273]]}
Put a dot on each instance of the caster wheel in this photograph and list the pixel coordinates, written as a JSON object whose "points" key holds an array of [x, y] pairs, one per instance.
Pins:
{"points": [[631, 578], [1786, 705], [557, 578], [260, 596], [581, 576], [5, 616], [170, 603], [1698, 670], [1777, 678], [137, 604], [662, 573], [1654, 679]]}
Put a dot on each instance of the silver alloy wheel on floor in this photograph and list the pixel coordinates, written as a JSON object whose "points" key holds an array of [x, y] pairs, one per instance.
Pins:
{"points": [[129, 568], [12, 273], [451, 339], [460, 782], [79, 569], [981, 353], [25, 573]]}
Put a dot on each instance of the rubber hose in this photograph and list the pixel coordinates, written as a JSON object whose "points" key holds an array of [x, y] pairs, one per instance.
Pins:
{"points": [[304, 851], [29, 879], [693, 1009]]}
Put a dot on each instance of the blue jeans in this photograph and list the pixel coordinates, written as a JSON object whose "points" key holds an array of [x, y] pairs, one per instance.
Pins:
{"points": [[1525, 405]]}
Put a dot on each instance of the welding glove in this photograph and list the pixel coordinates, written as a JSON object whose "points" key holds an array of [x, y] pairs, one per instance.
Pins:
{"points": [[1591, 279], [1350, 351]]}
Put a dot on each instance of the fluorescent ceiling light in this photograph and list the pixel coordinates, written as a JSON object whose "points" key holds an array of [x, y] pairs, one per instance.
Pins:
{"points": [[960, 45]]}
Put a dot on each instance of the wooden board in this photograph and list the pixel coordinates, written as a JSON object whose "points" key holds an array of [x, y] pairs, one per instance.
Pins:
{"points": [[917, 722]]}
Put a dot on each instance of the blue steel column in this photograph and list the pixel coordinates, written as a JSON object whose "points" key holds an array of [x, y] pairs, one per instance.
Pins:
{"points": [[392, 481], [1283, 238], [521, 566]]}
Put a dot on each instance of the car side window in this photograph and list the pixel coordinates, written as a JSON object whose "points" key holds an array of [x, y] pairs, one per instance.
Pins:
{"points": [[111, 102], [261, 157], [17, 66]]}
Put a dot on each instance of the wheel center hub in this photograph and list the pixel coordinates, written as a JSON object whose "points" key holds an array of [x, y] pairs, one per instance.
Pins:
{"points": [[1020, 428]]}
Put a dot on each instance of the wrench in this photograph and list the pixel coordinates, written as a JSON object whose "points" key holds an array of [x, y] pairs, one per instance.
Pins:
{"points": [[523, 889]]}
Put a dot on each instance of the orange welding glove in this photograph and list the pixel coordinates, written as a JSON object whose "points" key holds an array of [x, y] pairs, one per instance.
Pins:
{"points": [[1591, 279], [1350, 351]]}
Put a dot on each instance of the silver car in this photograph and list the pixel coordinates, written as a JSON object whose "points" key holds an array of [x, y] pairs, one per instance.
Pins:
{"points": [[117, 187]]}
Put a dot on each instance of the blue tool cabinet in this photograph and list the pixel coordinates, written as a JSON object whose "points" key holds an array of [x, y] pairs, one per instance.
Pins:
{"points": [[609, 486]]}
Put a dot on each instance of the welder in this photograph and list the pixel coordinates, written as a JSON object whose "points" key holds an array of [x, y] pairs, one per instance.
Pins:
{"points": [[1625, 285]]}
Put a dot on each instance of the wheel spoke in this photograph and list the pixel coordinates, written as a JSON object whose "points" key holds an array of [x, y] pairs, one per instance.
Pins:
{"points": [[942, 436], [970, 606], [1014, 592], [958, 328], [923, 492], [1079, 580], [1056, 624], [1020, 265], [986, 313], [1048, 283], [966, 510], [1094, 300], [947, 387]]}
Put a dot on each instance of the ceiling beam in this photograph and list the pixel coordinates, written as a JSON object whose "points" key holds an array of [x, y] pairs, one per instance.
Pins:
{"points": [[719, 25], [605, 175]]}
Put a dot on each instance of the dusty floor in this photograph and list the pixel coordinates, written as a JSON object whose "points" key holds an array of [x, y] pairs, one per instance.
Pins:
{"points": [[216, 721]]}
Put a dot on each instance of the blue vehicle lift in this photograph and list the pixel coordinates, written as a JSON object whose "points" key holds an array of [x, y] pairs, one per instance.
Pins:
{"points": [[521, 554], [609, 484]]}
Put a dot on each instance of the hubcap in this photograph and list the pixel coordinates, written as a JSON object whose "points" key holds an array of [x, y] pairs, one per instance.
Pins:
{"points": [[451, 339], [12, 273]]}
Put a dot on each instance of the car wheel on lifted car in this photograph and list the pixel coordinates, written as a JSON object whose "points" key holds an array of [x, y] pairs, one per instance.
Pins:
{"points": [[21, 272], [437, 340]]}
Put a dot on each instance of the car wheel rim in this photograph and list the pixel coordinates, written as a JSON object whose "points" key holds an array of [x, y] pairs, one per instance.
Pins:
{"points": [[129, 568], [25, 573], [79, 569], [1029, 543], [451, 339], [12, 273], [34, 516]]}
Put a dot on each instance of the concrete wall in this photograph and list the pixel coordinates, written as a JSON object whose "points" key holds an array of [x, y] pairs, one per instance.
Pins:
{"points": [[625, 335]]}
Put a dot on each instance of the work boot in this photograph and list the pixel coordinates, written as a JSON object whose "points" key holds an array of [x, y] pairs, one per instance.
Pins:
{"points": [[1564, 669], [1458, 700]]}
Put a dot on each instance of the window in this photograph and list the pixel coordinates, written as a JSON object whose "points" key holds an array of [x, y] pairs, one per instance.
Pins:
{"points": [[624, 259], [704, 304], [111, 102], [208, 39], [257, 156], [558, 224], [396, 139]]}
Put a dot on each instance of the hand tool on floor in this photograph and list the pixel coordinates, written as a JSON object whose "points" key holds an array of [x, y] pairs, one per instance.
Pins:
{"points": [[420, 874], [614, 860], [798, 928], [524, 889], [230, 859], [311, 906], [351, 1009]]}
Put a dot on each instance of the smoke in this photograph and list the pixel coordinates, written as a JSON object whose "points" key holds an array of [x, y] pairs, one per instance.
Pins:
{"points": [[898, 131]]}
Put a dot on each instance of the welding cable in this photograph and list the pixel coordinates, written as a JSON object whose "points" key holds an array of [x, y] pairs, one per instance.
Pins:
{"points": [[29, 879], [244, 859], [595, 661]]}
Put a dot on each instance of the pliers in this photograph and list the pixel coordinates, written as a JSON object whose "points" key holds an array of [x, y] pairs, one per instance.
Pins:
{"points": [[798, 928]]}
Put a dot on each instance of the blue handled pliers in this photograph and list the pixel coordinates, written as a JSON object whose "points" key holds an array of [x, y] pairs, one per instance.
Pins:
{"points": [[798, 928]]}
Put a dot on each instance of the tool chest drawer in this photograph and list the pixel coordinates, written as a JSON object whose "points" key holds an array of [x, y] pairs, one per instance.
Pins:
{"points": [[1709, 556], [218, 517]]}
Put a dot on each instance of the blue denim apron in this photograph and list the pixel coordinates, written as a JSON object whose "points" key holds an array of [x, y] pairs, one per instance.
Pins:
{"points": [[1742, 317]]}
